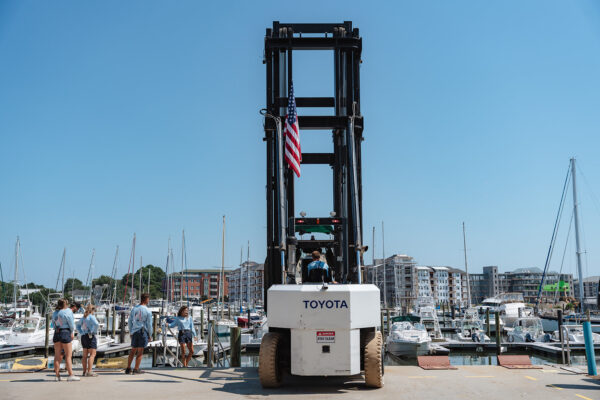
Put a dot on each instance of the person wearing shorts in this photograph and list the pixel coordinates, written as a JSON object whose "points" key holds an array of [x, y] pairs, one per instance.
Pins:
{"points": [[88, 328], [64, 327], [140, 329], [185, 325]]}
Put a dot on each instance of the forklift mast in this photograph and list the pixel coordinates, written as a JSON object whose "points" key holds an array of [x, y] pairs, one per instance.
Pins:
{"points": [[344, 248]]}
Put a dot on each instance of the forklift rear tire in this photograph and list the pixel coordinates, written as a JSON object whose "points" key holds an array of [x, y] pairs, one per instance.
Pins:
{"points": [[374, 360], [269, 371]]}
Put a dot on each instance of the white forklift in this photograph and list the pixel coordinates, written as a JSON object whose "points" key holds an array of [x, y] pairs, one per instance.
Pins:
{"points": [[329, 325]]}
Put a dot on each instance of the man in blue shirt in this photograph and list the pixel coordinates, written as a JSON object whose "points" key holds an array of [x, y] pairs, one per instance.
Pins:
{"points": [[140, 329], [318, 271]]}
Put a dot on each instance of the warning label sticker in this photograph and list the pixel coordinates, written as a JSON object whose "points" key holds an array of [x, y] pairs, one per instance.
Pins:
{"points": [[325, 336]]}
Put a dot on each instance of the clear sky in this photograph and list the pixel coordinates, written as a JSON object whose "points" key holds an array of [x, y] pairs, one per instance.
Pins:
{"points": [[143, 116]]}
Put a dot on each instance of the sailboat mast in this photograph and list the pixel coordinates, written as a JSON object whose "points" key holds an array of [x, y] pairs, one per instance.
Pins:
{"points": [[248, 276], [466, 266], [373, 253], [141, 263], [222, 279], [63, 266], [577, 245], [132, 267], [15, 284]]}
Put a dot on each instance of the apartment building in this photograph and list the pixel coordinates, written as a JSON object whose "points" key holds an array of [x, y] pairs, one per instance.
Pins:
{"points": [[195, 284], [247, 282]]}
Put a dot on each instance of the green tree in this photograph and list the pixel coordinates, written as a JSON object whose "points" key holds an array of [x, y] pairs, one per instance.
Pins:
{"points": [[73, 284], [7, 292], [156, 278]]}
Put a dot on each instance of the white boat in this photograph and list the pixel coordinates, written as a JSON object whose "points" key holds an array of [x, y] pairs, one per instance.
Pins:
{"points": [[406, 339], [428, 317], [576, 336], [527, 329], [470, 328], [28, 331]]}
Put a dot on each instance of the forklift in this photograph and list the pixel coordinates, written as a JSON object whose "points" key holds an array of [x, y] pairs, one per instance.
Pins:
{"points": [[320, 328]]}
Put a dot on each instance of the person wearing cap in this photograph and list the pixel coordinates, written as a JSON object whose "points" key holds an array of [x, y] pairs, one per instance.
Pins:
{"points": [[319, 271], [88, 328]]}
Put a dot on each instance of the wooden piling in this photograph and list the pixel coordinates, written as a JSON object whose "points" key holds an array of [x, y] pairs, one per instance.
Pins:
{"points": [[154, 329], [236, 346], [559, 317], [209, 346], [121, 327], [487, 322], [107, 319], [47, 340], [114, 322], [498, 333]]}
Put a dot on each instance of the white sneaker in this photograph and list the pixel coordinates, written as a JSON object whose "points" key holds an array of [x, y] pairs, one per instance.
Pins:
{"points": [[57, 378], [73, 378]]}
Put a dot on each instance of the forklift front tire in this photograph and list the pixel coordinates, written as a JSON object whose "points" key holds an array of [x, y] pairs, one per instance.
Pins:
{"points": [[269, 371]]}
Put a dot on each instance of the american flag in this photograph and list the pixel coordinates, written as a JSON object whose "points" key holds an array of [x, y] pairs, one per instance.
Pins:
{"points": [[293, 154]]}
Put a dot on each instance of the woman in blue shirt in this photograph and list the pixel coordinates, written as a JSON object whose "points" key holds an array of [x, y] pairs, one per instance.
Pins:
{"points": [[64, 328], [185, 325], [88, 328]]}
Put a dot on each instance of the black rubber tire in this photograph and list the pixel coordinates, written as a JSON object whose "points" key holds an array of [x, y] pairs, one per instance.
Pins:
{"points": [[269, 371], [374, 359]]}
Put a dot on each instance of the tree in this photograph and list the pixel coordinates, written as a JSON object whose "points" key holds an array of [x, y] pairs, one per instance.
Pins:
{"points": [[156, 279], [7, 292], [74, 284]]}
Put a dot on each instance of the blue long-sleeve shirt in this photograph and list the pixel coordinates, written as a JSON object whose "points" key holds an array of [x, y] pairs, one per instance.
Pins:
{"points": [[140, 318], [317, 265], [64, 320], [184, 323], [53, 321], [87, 325]]}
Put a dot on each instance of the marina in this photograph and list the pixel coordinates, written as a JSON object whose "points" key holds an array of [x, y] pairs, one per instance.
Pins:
{"points": [[183, 146]]}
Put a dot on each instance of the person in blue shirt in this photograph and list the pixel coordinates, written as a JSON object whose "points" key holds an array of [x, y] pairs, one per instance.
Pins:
{"points": [[319, 271], [88, 328], [64, 328], [185, 325], [140, 329]]}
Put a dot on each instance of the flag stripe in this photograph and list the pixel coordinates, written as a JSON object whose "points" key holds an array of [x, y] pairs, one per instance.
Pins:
{"points": [[293, 153]]}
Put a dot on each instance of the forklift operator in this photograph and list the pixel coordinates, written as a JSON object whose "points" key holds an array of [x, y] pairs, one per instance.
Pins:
{"points": [[319, 271]]}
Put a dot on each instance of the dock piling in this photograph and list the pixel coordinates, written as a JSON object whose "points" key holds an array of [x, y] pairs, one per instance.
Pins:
{"points": [[487, 322], [154, 329], [389, 321], [202, 323], [589, 346], [107, 319], [121, 327], [236, 346], [47, 340], [209, 346], [498, 333], [559, 317], [114, 322]]}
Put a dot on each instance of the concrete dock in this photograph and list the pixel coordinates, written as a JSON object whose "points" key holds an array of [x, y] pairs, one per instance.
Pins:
{"points": [[406, 383]]}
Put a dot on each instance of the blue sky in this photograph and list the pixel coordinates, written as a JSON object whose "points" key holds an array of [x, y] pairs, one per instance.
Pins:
{"points": [[143, 117]]}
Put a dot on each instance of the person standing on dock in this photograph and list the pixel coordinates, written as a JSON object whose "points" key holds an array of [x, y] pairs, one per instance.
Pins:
{"points": [[88, 328], [64, 328], [185, 325], [140, 329]]}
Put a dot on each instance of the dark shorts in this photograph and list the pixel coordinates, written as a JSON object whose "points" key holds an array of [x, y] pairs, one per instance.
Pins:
{"points": [[62, 336], [185, 336], [89, 343], [139, 339]]}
